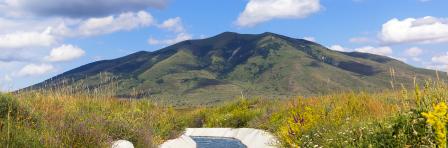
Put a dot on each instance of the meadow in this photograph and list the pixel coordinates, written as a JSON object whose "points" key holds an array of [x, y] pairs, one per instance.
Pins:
{"points": [[399, 117]]}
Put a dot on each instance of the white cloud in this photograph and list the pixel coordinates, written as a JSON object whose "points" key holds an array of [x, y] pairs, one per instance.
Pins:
{"points": [[441, 59], [6, 23], [22, 55], [5, 83], [105, 25], [422, 30], [310, 38], [258, 11], [7, 66], [75, 8], [179, 37], [34, 69], [25, 45], [375, 50], [173, 24], [414, 51], [360, 40], [8, 74], [26, 40], [338, 48], [65, 53], [97, 58], [32, 30], [438, 62], [417, 59], [59, 28], [441, 67], [14, 25], [399, 58], [7, 78], [203, 36]]}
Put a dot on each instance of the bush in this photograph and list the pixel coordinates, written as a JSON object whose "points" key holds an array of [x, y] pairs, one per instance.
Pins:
{"points": [[405, 130], [235, 115], [386, 119], [8, 106], [17, 126]]}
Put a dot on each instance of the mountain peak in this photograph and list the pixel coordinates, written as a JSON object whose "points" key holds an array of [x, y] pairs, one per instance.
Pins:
{"points": [[229, 33], [269, 34], [228, 63]]}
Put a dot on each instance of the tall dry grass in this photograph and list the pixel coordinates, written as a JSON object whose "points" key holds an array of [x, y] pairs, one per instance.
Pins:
{"points": [[67, 118]]}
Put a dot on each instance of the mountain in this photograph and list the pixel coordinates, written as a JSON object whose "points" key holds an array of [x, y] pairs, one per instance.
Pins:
{"points": [[229, 64]]}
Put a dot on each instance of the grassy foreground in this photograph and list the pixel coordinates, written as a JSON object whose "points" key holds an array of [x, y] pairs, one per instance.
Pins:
{"points": [[400, 118]]}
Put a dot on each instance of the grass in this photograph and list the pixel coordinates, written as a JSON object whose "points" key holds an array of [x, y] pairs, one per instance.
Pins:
{"points": [[60, 118]]}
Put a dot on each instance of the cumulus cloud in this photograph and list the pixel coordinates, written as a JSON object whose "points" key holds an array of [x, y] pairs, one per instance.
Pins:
{"points": [[338, 48], [35, 69], [109, 24], [399, 58], [384, 51], [7, 78], [9, 66], [26, 40], [438, 67], [422, 30], [21, 55], [360, 40], [61, 28], [179, 37], [173, 24], [5, 83], [26, 46], [258, 11], [441, 59], [56, 29], [414, 51], [310, 38], [33, 31], [29, 40], [6, 23], [14, 25], [65, 53], [77, 8]]}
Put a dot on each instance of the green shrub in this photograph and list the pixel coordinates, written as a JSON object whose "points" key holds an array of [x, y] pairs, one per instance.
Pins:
{"points": [[405, 130], [386, 119], [235, 115], [8, 106], [17, 126]]}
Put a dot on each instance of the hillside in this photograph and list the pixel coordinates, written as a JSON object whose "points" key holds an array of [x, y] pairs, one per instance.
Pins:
{"points": [[226, 65]]}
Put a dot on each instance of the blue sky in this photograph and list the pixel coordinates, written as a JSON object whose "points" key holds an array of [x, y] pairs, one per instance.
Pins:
{"points": [[42, 38]]}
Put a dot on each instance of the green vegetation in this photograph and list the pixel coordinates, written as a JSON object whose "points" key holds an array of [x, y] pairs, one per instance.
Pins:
{"points": [[210, 71], [400, 118], [342, 101]]}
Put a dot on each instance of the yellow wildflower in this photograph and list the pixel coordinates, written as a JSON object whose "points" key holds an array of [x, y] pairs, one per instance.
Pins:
{"points": [[438, 119]]}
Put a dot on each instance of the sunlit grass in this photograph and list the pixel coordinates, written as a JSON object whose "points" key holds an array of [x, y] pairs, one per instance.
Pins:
{"points": [[62, 118]]}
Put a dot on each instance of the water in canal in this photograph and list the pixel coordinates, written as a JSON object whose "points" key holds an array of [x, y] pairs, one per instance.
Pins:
{"points": [[217, 142]]}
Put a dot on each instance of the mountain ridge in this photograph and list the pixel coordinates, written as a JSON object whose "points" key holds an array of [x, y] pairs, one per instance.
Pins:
{"points": [[228, 64]]}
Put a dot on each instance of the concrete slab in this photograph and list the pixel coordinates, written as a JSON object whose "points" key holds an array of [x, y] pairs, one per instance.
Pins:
{"points": [[252, 138]]}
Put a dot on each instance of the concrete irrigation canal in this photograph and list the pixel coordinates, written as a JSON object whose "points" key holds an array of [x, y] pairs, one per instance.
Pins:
{"points": [[217, 142], [222, 138]]}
